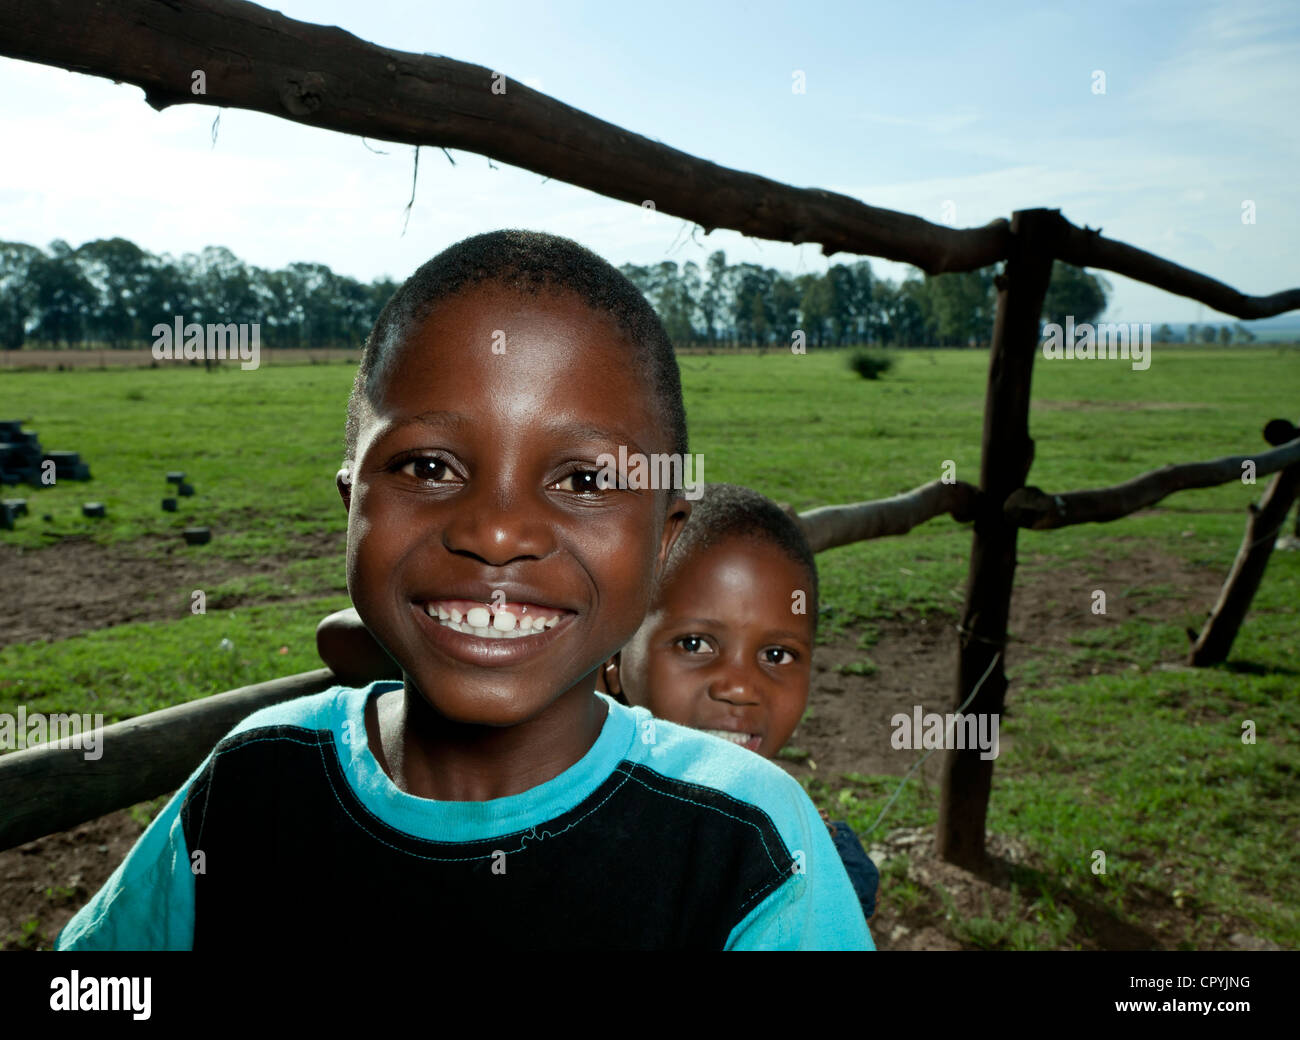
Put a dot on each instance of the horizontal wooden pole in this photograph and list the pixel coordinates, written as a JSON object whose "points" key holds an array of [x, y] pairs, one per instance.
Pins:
{"points": [[54, 787], [1033, 508], [831, 526]]}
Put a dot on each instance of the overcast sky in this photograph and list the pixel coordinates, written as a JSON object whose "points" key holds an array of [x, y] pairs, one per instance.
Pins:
{"points": [[907, 106]]}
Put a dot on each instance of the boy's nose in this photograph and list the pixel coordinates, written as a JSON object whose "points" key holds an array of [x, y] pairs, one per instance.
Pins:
{"points": [[497, 529], [735, 684]]}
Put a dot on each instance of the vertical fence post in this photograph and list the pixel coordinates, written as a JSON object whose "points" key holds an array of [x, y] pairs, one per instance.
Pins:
{"points": [[1006, 455]]}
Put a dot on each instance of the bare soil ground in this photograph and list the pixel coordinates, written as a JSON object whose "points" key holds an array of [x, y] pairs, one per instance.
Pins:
{"points": [[78, 586], [44, 882]]}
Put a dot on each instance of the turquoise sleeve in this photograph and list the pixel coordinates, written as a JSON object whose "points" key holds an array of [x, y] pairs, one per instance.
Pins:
{"points": [[814, 909], [148, 903]]}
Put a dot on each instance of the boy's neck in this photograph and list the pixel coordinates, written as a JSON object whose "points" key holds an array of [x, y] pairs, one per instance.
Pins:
{"points": [[427, 756]]}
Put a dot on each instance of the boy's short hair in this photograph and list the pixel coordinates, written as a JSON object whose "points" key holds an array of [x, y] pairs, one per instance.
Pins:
{"points": [[726, 511], [526, 261]]}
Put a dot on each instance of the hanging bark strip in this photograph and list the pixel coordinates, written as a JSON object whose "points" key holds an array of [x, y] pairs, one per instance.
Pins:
{"points": [[1006, 455], [1238, 591]]}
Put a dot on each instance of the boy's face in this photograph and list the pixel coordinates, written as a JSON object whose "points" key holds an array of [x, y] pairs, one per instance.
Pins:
{"points": [[721, 648], [472, 489]]}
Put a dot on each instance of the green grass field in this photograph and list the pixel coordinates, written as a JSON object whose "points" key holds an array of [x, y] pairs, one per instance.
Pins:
{"points": [[1146, 764]]}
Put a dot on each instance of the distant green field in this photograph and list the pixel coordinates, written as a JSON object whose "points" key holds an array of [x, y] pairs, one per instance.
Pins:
{"points": [[262, 448]]}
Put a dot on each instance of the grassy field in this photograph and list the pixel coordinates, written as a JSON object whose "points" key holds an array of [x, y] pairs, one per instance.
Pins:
{"points": [[1147, 764]]}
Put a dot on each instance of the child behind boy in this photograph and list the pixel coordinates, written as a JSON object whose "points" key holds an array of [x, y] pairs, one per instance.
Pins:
{"points": [[727, 644], [491, 799]]}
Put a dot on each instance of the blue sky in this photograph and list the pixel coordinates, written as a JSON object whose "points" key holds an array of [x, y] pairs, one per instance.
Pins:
{"points": [[989, 106]]}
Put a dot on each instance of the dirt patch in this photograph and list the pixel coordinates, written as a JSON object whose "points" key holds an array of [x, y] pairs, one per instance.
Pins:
{"points": [[43, 883], [914, 660], [78, 586]]}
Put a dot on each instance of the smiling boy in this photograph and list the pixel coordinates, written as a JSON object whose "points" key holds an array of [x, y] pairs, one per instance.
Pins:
{"points": [[492, 797]]}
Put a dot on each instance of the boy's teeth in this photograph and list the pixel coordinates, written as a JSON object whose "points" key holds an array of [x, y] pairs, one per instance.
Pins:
{"points": [[736, 738], [504, 621], [481, 622]]}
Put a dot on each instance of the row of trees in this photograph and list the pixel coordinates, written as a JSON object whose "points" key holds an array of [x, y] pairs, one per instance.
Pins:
{"points": [[1222, 334], [749, 305], [112, 292]]}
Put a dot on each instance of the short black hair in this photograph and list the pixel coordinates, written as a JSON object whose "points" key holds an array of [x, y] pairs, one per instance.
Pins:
{"points": [[526, 261], [726, 511]]}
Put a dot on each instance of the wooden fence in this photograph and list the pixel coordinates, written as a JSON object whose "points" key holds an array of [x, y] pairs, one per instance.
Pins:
{"points": [[321, 76]]}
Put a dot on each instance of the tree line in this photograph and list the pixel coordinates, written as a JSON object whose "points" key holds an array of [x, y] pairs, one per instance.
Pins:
{"points": [[746, 305], [111, 292]]}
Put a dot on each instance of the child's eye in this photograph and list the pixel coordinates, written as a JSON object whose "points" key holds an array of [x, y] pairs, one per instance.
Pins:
{"points": [[774, 655], [694, 644], [429, 468], [584, 482]]}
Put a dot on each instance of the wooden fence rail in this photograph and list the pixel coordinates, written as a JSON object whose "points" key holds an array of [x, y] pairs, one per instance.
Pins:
{"points": [[1033, 508], [54, 786]]}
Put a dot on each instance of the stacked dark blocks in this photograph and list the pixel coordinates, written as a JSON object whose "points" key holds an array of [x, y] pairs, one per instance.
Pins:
{"points": [[21, 457]]}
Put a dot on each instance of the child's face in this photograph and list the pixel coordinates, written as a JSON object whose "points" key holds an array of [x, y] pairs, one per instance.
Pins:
{"points": [[468, 492], [721, 648]]}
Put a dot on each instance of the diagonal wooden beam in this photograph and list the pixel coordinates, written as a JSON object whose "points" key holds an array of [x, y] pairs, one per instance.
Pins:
{"points": [[1084, 247], [1214, 643], [260, 60]]}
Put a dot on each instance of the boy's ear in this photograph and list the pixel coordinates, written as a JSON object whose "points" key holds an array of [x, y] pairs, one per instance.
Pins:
{"points": [[679, 511], [609, 678], [343, 481]]}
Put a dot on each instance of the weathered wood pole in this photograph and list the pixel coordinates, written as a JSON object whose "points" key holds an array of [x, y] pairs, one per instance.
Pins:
{"points": [[54, 787], [1006, 455], [1266, 520]]}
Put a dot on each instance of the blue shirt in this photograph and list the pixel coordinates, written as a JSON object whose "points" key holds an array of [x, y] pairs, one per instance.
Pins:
{"points": [[659, 837]]}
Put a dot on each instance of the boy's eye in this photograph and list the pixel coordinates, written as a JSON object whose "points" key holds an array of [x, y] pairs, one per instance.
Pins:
{"points": [[774, 655], [427, 468], [694, 644], [584, 482]]}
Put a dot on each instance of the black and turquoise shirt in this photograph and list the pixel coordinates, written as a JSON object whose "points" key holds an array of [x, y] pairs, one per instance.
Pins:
{"points": [[660, 837]]}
